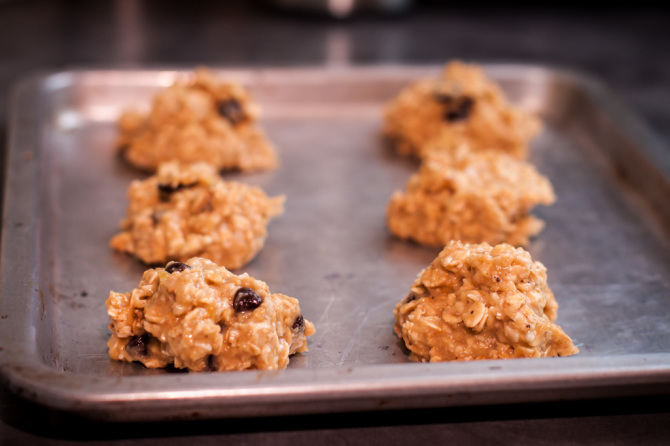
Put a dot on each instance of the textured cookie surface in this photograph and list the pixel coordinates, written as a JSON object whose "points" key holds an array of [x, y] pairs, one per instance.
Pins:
{"points": [[185, 211], [481, 302], [199, 316], [198, 119], [460, 106], [470, 196]]}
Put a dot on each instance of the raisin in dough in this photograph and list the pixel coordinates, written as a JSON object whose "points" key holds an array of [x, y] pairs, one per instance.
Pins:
{"points": [[198, 119], [186, 211], [199, 316], [470, 196], [481, 302], [461, 106]]}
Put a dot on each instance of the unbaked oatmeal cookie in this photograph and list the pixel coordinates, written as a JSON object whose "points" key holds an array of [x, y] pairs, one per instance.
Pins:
{"points": [[477, 301], [199, 316], [185, 211], [460, 106], [198, 119], [470, 196]]}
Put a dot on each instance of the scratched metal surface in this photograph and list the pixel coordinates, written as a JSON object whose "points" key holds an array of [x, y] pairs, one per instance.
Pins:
{"points": [[605, 246]]}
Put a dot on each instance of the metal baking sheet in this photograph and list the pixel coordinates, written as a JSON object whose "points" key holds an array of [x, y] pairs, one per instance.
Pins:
{"points": [[606, 246]]}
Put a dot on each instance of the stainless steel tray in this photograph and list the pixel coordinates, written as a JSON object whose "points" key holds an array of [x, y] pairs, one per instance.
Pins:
{"points": [[606, 247]]}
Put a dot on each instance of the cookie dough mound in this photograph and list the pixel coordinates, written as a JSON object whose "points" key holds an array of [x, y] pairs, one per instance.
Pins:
{"points": [[188, 211], [199, 316], [462, 106], [481, 302], [201, 119], [470, 196]]}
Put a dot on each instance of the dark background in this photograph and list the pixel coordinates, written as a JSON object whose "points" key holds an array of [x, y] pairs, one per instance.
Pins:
{"points": [[626, 47]]}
